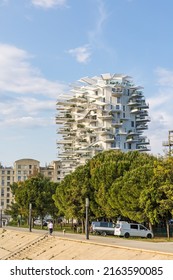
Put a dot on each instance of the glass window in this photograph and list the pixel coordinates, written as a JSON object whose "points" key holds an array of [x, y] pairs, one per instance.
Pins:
{"points": [[134, 226], [142, 227], [2, 192], [118, 100]]}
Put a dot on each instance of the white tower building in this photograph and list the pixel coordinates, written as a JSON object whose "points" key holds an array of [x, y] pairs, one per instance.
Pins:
{"points": [[100, 113]]}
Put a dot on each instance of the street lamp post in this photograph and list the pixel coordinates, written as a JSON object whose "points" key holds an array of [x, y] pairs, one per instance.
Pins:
{"points": [[0, 216], [87, 220], [30, 216]]}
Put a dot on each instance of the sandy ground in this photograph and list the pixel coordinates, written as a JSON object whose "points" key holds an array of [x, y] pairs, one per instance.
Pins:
{"points": [[17, 245]]}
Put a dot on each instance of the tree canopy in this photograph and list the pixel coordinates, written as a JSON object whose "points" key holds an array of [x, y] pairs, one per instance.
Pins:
{"points": [[113, 182], [136, 186], [38, 191]]}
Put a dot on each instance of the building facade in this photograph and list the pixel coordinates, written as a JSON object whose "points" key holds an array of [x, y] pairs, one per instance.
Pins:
{"points": [[99, 114], [21, 170]]}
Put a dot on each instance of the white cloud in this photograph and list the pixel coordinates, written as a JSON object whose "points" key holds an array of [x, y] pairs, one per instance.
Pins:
{"points": [[48, 3], [82, 54], [23, 105], [165, 77], [160, 110], [19, 76], [97, 30], [28, 122], [25, 94]]}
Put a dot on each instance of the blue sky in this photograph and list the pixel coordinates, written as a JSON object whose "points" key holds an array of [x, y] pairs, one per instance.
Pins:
{"points": [[46, 45]]}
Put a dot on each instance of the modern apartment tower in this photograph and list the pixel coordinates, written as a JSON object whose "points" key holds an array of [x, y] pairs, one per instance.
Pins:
{"points": [[100, 113]]}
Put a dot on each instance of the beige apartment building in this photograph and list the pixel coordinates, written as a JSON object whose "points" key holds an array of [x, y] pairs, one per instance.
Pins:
{"points": [[20, 171]]}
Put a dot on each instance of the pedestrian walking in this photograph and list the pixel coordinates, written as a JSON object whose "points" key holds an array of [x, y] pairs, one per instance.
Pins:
{"points": [[50, 227]]}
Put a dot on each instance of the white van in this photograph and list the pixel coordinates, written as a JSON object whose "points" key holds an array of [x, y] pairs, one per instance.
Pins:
{"points": [[126, 229]]}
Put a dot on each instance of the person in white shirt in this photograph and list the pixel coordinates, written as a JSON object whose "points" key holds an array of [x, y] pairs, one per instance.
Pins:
{"points": [[50, 227]]}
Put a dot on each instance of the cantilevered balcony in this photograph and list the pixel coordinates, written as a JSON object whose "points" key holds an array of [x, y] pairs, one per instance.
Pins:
{"points": [[134, 103], [117, 148], [106, 131], [131, 133], [143, 148], [116, 123], [65, 141], [60, 121], [63, 130], [66, 103], [132, 140], [135, 110], [141, 127], [143, 119], [122, 132], [108, 139], [117, 92], [62, 118], [105, 116], [144, 105], [143, 140]]}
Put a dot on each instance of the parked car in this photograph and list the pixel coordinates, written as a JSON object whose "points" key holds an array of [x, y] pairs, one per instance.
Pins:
{"points": [[126, 230], [38, 223], [103, 228]]}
